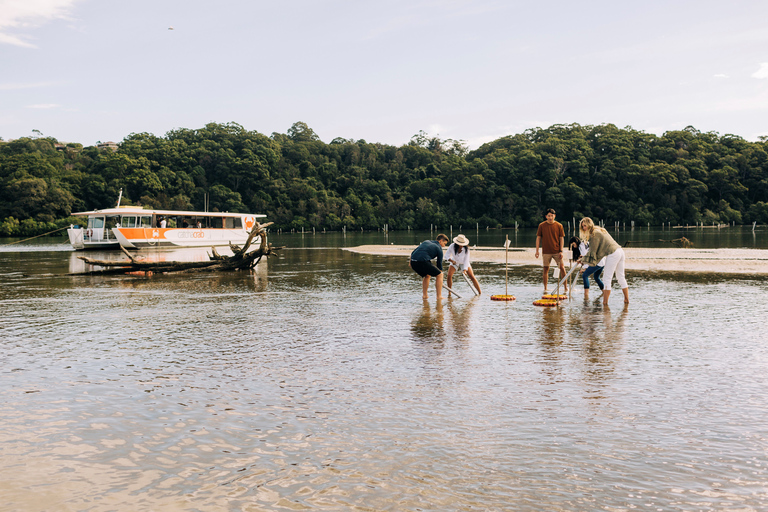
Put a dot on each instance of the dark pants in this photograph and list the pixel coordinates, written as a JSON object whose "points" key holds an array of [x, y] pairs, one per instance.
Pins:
{"points": [[425, 268], [595, 272]]}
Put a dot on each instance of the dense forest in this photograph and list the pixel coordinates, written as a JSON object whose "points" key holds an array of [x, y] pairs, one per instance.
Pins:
{"points": [[608, 173]]}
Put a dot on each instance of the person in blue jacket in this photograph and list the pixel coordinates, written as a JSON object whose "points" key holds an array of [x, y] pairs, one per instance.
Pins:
{"points": [[421, 263]]}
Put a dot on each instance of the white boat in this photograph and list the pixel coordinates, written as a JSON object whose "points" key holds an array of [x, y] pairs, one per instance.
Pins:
{"points": [[134, 227]]}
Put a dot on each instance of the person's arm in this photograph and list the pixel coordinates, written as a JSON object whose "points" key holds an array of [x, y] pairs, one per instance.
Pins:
{"points": [[450, 254], [538, 243], [595, 243]]}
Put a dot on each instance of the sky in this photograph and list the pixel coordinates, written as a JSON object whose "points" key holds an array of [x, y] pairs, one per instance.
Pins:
{"points": [[472, 70]]}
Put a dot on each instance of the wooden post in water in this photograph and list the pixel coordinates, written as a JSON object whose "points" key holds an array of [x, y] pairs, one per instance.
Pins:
{"points": [[506, 266]]}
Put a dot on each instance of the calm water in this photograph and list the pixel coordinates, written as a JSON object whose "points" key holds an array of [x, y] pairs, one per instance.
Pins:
{"points": [[323, 382], [702, 238]]}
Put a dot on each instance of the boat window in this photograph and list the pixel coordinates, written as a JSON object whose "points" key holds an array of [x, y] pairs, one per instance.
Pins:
{"points": [[233, 223], [216, 222], [128, 221], [146, 221], [95, 222]]}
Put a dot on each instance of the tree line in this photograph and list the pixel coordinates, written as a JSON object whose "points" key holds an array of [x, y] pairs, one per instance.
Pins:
{"points": [[608, 173]]}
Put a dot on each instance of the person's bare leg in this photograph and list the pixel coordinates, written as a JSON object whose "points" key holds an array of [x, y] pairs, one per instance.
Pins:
{"points": [[424, 287], [451, 271], [562, 275], [626, 294], [439, 286], [546, 277], [474, 280], [606, 294]]}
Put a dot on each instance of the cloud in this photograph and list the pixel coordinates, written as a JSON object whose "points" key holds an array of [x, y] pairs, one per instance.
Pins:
{"points": [[44, 105], [762, 72], [435, 128], [721, 75], [21, 15]]}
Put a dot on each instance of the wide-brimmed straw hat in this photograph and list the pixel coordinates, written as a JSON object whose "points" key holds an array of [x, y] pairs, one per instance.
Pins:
{"points": [[461, 240]]}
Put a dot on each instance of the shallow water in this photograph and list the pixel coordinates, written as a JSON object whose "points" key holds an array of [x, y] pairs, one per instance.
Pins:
{"points": [[654, 237], [323, 382]]}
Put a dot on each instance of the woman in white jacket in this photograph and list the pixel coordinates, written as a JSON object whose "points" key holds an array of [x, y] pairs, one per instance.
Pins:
{"points": [[458, 256]]}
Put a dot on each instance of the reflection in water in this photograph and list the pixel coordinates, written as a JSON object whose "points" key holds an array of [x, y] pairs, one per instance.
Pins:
{"points": [[601, 345], [189, 282], [428, 325], [461, 316], [186, 254], [551, 327]]}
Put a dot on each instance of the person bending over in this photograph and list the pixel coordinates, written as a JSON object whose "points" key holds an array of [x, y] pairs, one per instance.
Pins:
{"points": [[602, 245], [458, 256], [421, 263]]}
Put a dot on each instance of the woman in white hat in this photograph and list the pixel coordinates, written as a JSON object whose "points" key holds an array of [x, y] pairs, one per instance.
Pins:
{"points": [[458, 256]]}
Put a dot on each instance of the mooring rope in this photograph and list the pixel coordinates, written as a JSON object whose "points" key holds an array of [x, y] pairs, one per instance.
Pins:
{"points": [[37, 236]]}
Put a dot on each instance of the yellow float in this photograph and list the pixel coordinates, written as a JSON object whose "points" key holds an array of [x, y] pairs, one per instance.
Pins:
{"points": [[502, 297]]}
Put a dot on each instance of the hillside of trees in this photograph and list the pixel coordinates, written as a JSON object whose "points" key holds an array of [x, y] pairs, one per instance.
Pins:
{"points": [[604, 172]]}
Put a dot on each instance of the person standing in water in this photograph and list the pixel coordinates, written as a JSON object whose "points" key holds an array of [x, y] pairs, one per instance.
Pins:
{"points": [[421, 263], [602, 245], [458, 256], [551, 238]]}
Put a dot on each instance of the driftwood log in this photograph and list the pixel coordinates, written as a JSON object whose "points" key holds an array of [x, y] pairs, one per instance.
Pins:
{"points": [[241, 259]]}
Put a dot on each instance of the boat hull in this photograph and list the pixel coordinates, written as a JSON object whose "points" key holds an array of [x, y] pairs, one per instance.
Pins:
{"points": [[144, 238], [81, 240]]}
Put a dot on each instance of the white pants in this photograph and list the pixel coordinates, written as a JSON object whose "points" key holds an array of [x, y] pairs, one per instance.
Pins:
{"points": [[615, 263]]}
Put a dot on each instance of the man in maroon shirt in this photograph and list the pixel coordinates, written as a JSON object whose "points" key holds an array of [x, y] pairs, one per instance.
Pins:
{"points": [[551, 238]]}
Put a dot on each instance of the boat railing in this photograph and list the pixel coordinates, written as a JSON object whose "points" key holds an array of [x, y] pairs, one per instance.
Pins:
{"points": [[98, 235]]}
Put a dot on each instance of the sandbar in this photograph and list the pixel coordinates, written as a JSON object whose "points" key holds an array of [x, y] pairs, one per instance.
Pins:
{"points": [[722, 261]]}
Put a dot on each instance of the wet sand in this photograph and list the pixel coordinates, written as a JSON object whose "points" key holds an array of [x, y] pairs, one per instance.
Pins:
{"points": [[725, 261]]}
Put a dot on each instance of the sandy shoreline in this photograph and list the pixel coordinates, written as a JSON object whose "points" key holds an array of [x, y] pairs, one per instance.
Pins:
{"points": [[725, 261]]}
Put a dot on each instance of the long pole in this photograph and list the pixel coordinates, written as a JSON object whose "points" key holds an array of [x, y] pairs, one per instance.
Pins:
{"points": [[471, 286], [506, 266], [453, 292], [565, 279]]}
